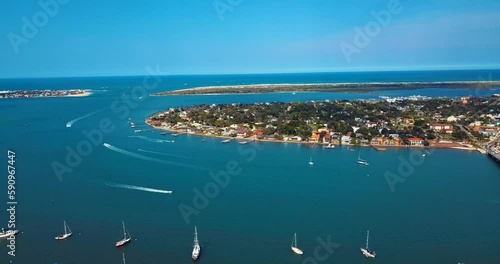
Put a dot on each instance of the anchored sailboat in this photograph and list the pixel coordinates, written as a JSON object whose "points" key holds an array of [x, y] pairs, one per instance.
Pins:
{"points": [[329, 146], [362, 161], [126, 237], [7, 233], [366, 251], [196, 246], [66, 233], [311, 161], [295, 249]]}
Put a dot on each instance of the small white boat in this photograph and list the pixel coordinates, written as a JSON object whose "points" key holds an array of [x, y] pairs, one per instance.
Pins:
{"points": [[243, 142], [4, 234], [366, 251], [138, 131], [311, 161], [132, 124], [226, 141], [196, 246], [67, 232], [362, 161], [295, 249], [126, 237], [329, 146]]}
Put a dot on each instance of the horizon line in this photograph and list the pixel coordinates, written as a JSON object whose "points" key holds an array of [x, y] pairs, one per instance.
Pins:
{"points": [[257, 73]]}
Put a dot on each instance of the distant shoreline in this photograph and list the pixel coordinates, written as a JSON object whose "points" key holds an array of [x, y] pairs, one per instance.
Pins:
{"points": [[328, 87], [31, 94]]}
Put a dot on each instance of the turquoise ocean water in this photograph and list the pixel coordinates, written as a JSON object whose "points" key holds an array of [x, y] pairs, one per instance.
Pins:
{"points": [[446, 211]]}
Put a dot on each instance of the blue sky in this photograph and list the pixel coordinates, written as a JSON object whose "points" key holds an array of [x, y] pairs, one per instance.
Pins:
{"points": [[99, 38]]}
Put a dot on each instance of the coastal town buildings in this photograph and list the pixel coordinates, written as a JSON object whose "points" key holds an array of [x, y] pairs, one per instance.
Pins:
{"points": [[447, 128], [404, 122]]}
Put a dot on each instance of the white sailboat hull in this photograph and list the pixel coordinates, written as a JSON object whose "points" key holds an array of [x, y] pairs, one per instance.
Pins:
{"points": [[122, 242], [8, 233], [297, 251], [64, 236], [196, 252], [367, 253]]}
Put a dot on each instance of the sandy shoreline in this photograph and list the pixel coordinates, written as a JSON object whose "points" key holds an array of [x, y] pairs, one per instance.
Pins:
{"points": [[327, 87]]}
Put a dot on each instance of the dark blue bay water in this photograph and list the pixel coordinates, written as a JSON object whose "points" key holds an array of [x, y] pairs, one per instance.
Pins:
{"points": [[446, 211]]}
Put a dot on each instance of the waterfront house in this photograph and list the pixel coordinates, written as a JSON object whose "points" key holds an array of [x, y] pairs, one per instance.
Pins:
{"points": [[314, 137], [242, 134], [346, 139], [258, 134], [416, 142]]}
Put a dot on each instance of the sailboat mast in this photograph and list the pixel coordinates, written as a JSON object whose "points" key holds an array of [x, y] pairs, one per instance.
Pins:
{"points": [[195, 236], [367, 238], [123, 258], [124, 231], [65, 231]]}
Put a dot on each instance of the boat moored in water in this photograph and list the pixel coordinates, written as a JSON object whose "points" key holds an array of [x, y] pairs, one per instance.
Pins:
{"points": [[366, 251], [67, 232], [196, 246], [126, 237], [295, 249], [7, 233]]}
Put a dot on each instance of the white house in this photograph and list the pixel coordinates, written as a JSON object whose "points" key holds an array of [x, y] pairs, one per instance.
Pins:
{"points": [[416, 141], [346, 140], [442, 127]]}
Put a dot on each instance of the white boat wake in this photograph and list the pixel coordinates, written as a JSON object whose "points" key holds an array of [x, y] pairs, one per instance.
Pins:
{"points": [[165, 154], [137, 188], [70, 123], [138, 156], [152, 139]]}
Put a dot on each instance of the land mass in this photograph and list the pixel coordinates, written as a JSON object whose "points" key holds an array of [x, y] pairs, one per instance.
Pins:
{"points": [[459, 123], [43, 93], [329, 87]]}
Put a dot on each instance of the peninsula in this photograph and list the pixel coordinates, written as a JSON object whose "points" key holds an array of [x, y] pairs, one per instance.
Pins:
{"points": [[329, 87], [43, 93], [460, 123]]}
